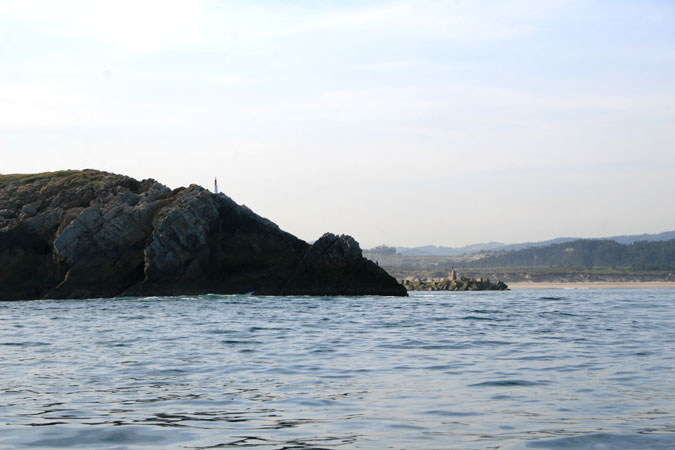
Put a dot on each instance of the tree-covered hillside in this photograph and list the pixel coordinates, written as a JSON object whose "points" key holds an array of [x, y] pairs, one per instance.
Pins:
{"points": [[589, 253]]}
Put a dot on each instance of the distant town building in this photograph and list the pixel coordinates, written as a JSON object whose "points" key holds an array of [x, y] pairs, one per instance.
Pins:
{"points": [[452, 275]]}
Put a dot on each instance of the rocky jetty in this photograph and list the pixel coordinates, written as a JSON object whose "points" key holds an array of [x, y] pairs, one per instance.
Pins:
{"points": [[83, 234], [464, 284]]}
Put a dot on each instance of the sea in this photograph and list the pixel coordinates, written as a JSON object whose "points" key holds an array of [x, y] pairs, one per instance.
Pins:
{"points": [[540, 369]]}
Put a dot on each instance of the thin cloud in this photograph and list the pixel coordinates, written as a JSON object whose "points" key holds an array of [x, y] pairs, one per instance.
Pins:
{"points": [[153, 25]]}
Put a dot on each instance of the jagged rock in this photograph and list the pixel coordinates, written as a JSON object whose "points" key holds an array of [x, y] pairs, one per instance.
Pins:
{"points": [[334, 265], [78, 234]]}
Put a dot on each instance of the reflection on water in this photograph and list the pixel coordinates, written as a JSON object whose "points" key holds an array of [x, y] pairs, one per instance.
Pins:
{"points": [[590, 369]]}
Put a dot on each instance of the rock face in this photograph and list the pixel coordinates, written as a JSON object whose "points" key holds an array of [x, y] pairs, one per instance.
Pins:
{"points": [[82, 234]]}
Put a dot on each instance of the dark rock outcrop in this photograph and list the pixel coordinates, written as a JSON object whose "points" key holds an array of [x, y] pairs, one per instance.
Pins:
{"points": [[80, 234], [334, 266]]}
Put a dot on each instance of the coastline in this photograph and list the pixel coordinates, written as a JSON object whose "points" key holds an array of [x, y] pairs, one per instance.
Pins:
{"points": [[595, 285]]}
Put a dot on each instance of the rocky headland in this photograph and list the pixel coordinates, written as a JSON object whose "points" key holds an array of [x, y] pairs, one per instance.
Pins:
{"points": [[84, 234]]}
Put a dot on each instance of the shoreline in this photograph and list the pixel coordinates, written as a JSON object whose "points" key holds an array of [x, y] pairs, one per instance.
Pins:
{"points": [[594, 284]]}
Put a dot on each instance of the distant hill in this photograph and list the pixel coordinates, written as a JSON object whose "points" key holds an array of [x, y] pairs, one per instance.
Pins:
{"points": [[630, 238], [588, 253], [433, 250]]}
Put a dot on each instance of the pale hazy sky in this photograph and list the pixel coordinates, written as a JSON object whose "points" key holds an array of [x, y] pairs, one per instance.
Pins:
{"points": [[398, 122]]}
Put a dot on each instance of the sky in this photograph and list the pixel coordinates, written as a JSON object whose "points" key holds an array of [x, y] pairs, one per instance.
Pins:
{"points": [[398, 122]]}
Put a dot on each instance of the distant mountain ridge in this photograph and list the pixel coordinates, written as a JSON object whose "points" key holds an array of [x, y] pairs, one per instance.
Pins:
{"points": [[433, 250]]}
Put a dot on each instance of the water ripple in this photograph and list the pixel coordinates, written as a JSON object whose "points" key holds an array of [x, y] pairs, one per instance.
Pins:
{"points": [[521, 369]]}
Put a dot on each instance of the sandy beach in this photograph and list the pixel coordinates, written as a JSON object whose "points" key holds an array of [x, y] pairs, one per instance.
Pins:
{"points": [[597, 285]]}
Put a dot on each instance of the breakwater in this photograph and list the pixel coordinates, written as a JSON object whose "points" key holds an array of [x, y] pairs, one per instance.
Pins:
{"points": [[482, 284]]}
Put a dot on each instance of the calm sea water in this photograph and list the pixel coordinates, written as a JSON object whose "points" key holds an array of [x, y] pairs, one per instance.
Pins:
{"points": [[522, 369]]}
